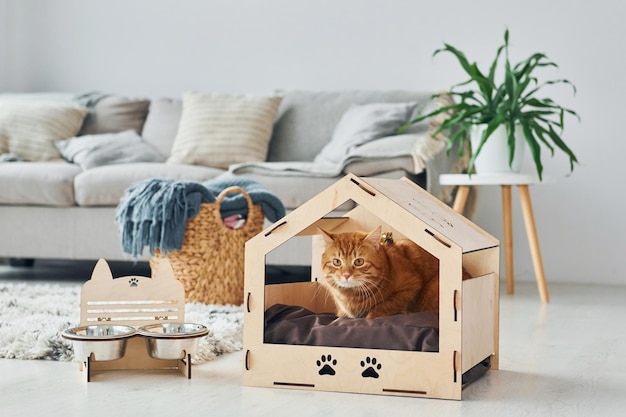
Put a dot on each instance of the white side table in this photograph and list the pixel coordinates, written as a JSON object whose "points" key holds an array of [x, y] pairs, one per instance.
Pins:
{"points": [[505, 181]]}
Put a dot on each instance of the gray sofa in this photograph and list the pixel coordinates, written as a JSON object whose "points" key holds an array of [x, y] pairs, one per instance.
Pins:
{"points": [[57, 209]]}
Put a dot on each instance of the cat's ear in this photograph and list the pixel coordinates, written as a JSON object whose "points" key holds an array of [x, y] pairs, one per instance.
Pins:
{"points": [[328, 238], [373, 238]]}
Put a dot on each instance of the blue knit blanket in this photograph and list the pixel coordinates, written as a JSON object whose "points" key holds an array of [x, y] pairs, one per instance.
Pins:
{"points": [[155, 212]]}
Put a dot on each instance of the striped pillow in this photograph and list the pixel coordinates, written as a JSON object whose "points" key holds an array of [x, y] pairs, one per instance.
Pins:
{"points": [[29, 129], [218, 130]]}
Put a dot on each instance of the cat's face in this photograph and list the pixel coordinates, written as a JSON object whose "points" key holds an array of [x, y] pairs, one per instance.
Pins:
{"points": [[354, 260]]}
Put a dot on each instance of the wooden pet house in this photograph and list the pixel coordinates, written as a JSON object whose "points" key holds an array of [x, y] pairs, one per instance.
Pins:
{"points": [[465, 329]]}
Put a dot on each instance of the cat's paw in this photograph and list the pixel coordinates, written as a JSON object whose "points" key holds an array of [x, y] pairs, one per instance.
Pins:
{"points": [[133, 282], [372, 367], [326, 361]]}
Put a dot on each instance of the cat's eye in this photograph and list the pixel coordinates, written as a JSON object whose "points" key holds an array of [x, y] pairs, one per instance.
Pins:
{"points": [[359, 262], [336, 262]]}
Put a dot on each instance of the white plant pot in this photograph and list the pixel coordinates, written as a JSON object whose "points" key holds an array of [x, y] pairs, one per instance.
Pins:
{"points": [[494, 156]]}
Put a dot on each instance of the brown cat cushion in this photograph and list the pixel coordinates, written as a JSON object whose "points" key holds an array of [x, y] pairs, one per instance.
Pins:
{"points": [[295, 325]]}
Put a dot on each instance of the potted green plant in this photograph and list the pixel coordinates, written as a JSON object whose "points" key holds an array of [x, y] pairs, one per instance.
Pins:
{"points": [[508, 109]]}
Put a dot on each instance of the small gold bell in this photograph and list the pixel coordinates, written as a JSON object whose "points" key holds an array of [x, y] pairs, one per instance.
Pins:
{"points": [[386, 238]]}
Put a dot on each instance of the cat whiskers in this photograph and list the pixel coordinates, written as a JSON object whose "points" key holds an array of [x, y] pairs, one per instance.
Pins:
{"points": [[327, 293], [369, 292]]}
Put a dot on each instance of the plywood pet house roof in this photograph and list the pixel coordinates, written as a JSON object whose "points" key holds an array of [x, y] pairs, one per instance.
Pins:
{"points": [[404, 206]]}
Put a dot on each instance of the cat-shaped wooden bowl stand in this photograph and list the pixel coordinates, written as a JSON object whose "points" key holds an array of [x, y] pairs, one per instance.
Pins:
{"points": [[133, 301]]}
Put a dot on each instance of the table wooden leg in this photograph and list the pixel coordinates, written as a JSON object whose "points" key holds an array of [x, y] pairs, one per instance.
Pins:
{"points": [[533, 242], [461, 198], [507, 220]]}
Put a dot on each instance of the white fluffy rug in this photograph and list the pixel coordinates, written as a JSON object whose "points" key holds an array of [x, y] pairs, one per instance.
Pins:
{"points": [[33, 316]]}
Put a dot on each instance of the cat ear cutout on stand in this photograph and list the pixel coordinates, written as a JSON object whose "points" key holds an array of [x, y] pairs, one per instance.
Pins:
{"points": [[164, 271], [102, 271]]}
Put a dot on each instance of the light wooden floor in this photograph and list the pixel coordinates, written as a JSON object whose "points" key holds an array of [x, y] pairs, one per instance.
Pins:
{"points": [[567, 358]]}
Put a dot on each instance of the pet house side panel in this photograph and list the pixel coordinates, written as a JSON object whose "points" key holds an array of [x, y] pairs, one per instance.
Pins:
{"points": [[254, 292], [478, 312], [450, 321], [481, 307]]}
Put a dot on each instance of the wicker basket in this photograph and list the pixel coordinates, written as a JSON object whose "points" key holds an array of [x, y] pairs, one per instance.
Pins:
{"points": [[210, 263]]}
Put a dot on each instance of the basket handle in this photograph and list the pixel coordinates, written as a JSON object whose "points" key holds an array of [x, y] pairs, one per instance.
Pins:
{"points": [[231, 190]]}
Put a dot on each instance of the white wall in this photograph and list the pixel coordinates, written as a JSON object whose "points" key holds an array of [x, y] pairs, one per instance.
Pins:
{"points": [[160, 48], [4, 35]]}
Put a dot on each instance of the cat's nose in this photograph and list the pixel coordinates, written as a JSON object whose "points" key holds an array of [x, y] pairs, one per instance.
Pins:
{"points": [[346, 276]]}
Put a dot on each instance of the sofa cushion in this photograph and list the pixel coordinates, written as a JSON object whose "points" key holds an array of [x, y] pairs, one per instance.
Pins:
{"points": [[361, 124], [30, 128], [162, 124], [105, 185], [220, 129], [38, 183], [113, 114], [306, 119], [92, 151]]}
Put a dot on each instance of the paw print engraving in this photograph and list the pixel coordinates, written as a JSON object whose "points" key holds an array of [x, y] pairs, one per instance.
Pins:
{"points": [[327, 369], [133, 282], [372, 367]]}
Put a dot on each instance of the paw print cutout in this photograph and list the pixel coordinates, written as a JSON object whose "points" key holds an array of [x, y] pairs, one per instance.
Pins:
{"points": [[133, 282], [326, 361], [372, 367]]}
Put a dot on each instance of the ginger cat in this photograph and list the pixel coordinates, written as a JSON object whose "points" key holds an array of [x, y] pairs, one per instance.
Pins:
{"points": [[370, 278]]}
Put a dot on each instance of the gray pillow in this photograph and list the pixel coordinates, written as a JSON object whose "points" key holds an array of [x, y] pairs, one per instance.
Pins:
{"points": [[112, 114], [92, 151], [162, 123], [361, 124]]}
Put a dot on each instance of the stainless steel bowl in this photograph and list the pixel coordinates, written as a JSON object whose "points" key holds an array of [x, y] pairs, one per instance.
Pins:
{"points": [[172, 340], [107, 342]]}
